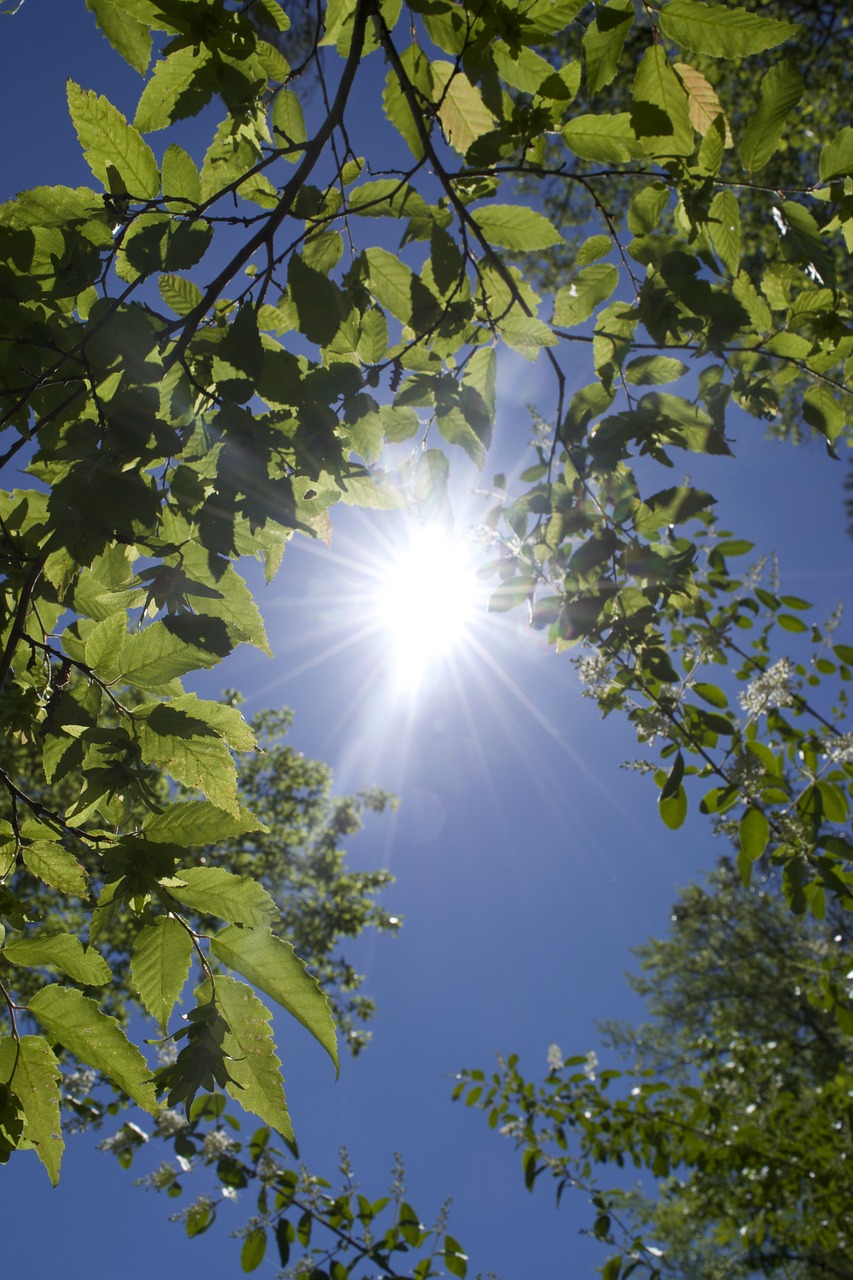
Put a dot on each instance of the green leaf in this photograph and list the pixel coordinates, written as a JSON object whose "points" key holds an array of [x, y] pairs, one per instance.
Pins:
{"points": [[56, 867], [720, 32], [217, 892], [29, 1065], [127, 35], [463, 115], [183, 737], [61, 951], [576, 302], [272, 965], [604, 41], [516, 227], [673, 809], [181, 179], [160, 965], [610, 139], [191, 823], [836, 158], [390, 282], [822, 411], [115, 152], [151, 658], [781, 89], [753, 833], [711, 693], [180, 86], [654, 370], [254, 1070], [289, 124], [183, 296], [660, 114], [254, 1248], [95, 1038], [724, 228]]}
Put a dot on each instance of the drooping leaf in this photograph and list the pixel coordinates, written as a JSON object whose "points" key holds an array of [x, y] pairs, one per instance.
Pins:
{"points": [[753, 833], [127, 34], [78, 1024], [179, 86], [781, 89], [29, 1066], [271, 964], [254, 1069], [160, 965], [191, 823]]}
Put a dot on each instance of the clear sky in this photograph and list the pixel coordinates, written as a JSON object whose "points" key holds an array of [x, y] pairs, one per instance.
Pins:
{"points": [[527, 861]]}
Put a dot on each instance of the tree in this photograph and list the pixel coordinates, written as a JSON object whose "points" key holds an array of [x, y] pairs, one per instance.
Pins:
{"points": [[170, 427], [735, 1102]]}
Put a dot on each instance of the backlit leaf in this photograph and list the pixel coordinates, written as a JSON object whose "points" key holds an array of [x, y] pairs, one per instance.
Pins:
{"points": [[217, 892], [115, 151], [29, 1066], [515, 227], [271, 964], [159, 966], [78, 1024], [62, 951], [721, 32]]}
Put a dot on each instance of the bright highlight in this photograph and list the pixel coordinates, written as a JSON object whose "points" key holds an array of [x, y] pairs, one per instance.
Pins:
{"points": [[426, 601]]}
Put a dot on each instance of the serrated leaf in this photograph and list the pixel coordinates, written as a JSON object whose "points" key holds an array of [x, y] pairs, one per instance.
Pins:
{"points": [[180, 86], [182, 295], [592, 249], [703, 104], [271, 964], [289, 124], [604, 41], [103, 643], [151, 658], [159, 966], [254, 1070], [781, 90], [112, 146], [360, 488], [56, 867], [516, 227], [660, 114], [391, 282], [724, 227], [95, 1038], [576, 302], [462, 112], [217, 892], [720, 32], [608, 138], [753, 833], [128, 36], [192, 823], [181, 178], [29, 1066], [62, 951], [189, 749]]}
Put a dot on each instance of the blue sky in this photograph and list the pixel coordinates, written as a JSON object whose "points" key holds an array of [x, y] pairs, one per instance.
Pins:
{"points": [[527, 861]]}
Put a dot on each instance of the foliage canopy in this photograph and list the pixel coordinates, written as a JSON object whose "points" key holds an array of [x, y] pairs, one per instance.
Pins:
{"points": [[202, 353]]}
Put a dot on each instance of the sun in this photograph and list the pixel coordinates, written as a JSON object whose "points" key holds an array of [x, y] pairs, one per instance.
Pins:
{"points": [[426, 600]]}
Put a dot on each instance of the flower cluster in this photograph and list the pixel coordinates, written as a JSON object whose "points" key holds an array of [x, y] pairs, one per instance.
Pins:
{"points": [[773, 688]]}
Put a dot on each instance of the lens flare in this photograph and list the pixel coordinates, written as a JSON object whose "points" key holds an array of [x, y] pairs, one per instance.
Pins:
{"points": [[426, 601]]}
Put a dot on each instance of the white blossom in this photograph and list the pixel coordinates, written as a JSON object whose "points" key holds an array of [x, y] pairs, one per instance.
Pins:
{"points": [[125, 1139], [170, 1122], [216, 1144], [590, 1065], [555, 1057], [839, 748], [773, 688]]}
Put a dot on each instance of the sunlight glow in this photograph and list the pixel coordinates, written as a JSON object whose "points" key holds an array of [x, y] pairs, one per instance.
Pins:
{"points": [[426, 601]]}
